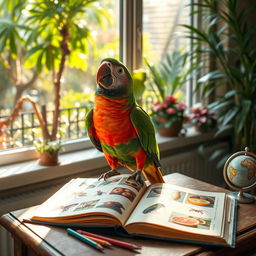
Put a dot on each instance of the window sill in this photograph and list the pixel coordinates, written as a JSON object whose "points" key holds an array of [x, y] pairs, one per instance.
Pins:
{"points": [[88, 161]]}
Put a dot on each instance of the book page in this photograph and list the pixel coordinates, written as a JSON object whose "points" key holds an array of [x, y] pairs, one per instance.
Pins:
{"points": [[179, 208], [115, 196]]}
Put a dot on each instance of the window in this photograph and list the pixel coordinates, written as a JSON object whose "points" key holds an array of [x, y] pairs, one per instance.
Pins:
{"points": [[164, 39], [118, 34], [99, 26]]}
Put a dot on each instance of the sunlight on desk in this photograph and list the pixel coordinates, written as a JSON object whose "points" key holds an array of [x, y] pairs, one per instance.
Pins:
{"points": [[39, 229]]}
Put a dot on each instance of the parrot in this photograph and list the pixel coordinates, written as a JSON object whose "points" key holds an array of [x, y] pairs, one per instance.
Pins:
{"points": [[120, 128]]}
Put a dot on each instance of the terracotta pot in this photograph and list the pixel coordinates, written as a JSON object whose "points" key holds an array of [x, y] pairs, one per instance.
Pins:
{"points": [[202, 129], [172, 131], [46, 159]]}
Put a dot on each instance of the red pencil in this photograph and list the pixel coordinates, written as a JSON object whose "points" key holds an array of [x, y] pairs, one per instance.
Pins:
{"points": [[111, 240]]}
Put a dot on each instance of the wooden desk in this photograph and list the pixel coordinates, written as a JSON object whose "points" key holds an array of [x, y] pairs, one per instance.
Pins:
{"points": [[33, 239]]}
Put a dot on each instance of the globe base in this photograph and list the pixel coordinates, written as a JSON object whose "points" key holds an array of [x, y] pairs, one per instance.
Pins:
{"points": [[243, 198]]}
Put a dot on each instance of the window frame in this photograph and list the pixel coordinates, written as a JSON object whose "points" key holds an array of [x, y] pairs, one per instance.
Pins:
{"points": [[130, 33]]}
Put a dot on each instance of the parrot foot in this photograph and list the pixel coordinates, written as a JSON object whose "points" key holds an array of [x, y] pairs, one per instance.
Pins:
{"points": [[108, 174], [137, 176]]}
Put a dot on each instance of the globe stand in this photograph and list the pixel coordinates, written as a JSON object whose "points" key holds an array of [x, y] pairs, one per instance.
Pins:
{"points": [[243, 198]]}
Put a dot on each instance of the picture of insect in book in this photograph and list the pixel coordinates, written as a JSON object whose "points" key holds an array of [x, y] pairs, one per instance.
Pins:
{"points": [[116, 206], [190, 221], [200, 200], [65, 208], [129, 194], [88, 185], [109, 181], [86, 205]]}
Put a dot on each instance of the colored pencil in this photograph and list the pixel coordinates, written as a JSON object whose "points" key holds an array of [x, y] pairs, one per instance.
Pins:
{"points": [[111, 240], [84, 239], [99, 241]]}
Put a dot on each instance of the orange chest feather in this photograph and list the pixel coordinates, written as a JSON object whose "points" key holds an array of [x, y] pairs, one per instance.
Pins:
{"points": [[112, 121]]}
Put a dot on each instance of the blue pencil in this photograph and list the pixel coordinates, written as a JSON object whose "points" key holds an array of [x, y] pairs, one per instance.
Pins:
{"points": [[84, 239]]}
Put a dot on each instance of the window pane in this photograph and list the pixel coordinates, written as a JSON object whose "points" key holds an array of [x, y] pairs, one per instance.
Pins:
{"points": [[100, 23], [162, 33]]}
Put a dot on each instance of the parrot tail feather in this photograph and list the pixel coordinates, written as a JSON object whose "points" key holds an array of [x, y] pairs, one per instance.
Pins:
{"points": [[153, 174]]}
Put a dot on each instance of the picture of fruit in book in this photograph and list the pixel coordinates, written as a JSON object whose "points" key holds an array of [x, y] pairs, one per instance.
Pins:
{"points": [[190, 221], [65, 208], [177, 196], [116, 206], [109, 181], [124, 192], [200, 200], [86, 205], [154, 208], [132, 183]]}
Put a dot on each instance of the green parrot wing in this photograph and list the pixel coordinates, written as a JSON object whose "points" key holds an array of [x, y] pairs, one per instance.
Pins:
{"points": [[91, 130], [146, 132]]}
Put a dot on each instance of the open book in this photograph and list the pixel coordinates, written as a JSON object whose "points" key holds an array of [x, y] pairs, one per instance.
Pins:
{"points": [[159, 210]]}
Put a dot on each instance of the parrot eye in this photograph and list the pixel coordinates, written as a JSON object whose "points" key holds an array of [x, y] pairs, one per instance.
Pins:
{"points": [[120, 71]]}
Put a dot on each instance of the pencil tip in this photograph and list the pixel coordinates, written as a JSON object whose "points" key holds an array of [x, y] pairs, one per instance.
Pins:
{"points": [[137, 247], [99, 247]]}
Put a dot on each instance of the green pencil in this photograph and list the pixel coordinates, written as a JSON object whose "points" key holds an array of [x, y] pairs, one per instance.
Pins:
{"points": [[84, 239]]}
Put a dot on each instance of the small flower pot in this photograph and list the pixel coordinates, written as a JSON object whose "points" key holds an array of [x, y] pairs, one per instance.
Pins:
{"points": [[47, 159], [202, 128], [172, 131]]}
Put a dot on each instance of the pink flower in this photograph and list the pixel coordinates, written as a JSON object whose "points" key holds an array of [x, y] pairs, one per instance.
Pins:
{"points": [[196, 110], [181, 106], [170, 111], [170, 99], [163, 105], [202, 119], [156, 107]]}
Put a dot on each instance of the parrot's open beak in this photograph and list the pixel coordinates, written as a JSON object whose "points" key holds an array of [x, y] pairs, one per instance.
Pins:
{"points": [[104, 76]]}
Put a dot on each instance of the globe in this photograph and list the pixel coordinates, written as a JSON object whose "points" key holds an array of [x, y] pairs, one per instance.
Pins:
{"points": [[241, 171], [240, 174]]}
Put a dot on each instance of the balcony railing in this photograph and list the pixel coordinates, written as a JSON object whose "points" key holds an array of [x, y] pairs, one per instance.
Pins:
{"points": [[25, 129]]}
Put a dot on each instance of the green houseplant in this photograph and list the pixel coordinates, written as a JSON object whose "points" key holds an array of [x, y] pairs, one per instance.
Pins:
{"points": [[168, 77], [228, 39]]}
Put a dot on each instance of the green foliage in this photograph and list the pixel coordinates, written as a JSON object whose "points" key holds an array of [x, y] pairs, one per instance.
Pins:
{"points": [[72, 99], [49, 19], [172, 73], [50, 148], [139, 77], [225, 21]]}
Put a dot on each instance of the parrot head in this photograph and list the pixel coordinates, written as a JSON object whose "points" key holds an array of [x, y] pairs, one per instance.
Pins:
{"points": [[113, 78]]}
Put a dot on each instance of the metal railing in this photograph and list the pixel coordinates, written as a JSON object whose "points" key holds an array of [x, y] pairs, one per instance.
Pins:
{"points": [[26, 129]]}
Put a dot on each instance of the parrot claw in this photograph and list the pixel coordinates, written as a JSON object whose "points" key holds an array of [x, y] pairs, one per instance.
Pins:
{"points": [[108, 174], [137, 176]]}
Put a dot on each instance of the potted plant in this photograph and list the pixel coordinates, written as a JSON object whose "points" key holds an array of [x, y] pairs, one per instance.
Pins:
{"points": [[48, 151], [227, 37], [168, 116], [202, 118], [167, 78]]}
